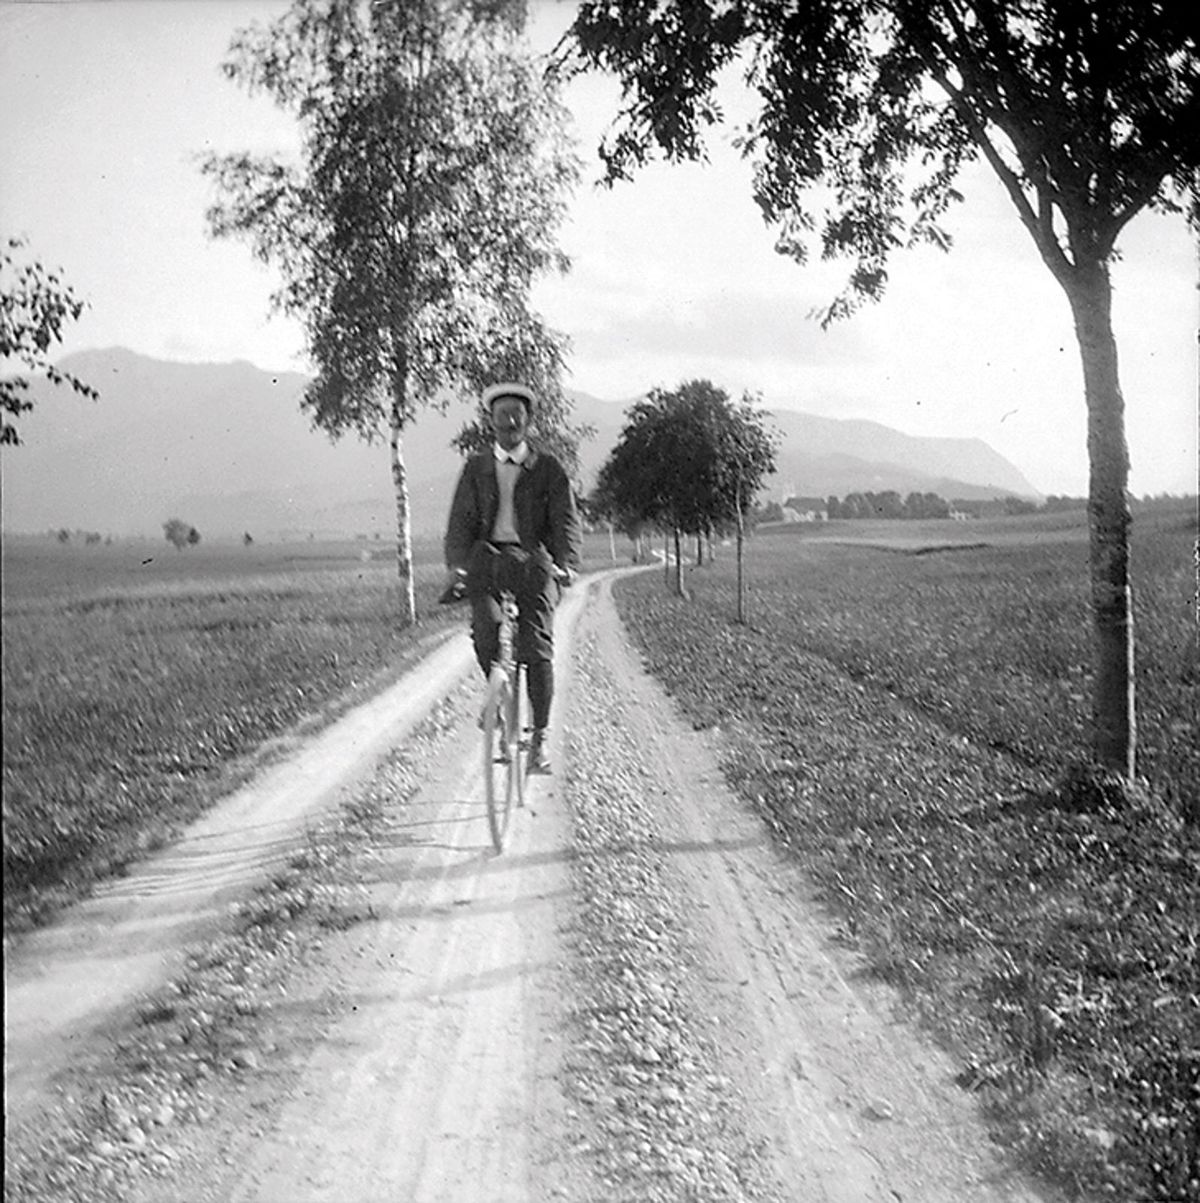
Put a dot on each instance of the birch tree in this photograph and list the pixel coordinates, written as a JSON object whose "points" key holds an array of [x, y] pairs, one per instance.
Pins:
{"points": [[435, 172]]}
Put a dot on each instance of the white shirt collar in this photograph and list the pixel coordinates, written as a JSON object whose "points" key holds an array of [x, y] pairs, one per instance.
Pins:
{"points": [[518, 454]]}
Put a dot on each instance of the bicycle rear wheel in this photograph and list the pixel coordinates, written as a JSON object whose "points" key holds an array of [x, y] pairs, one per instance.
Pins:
{"points": [[501, 757]]}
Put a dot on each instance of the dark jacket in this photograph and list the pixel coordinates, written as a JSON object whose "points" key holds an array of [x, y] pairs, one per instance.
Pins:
{"points": [[543, 506]]}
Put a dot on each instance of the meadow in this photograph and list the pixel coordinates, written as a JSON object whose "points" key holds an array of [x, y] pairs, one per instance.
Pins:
{"points": [[908, 709], [141, 683]]}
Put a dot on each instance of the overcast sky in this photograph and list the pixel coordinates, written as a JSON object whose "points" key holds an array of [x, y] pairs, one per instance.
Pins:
{"points": [[108, 103]]}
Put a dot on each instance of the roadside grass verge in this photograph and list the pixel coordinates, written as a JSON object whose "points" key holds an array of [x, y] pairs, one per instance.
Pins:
{"points": [[909, 728], [131, 706]]}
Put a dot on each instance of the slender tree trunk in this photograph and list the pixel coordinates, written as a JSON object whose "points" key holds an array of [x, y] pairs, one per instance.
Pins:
{"points": [[667, 555], [699, 549], [741, 572], [401, 368], [1113, 704], [612, 544], [404, 565], [741, 543], [679, 589]]}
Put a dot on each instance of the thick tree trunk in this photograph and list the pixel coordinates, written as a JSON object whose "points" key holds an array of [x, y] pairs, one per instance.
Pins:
{"points": [[1113, 705], [404, 565]]}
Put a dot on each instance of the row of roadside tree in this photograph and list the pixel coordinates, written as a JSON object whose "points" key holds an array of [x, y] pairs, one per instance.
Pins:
{"points": [[689, 461]]}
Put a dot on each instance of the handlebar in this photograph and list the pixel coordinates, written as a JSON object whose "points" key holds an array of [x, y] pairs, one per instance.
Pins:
{"points": [[456, 590]]}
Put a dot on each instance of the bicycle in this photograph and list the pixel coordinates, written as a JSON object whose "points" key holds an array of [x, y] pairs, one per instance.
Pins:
{"points": [[502, 718]]}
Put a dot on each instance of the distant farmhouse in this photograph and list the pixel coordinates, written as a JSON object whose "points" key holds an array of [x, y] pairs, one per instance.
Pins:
{"points": [[805, 509]]}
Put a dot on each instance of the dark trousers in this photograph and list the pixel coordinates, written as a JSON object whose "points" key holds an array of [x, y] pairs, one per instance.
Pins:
{"points": [[529, 578]]}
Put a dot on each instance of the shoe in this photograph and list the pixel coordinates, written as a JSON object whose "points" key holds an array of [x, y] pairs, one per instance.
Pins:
{"points": [[455, 591], [539, 759]]}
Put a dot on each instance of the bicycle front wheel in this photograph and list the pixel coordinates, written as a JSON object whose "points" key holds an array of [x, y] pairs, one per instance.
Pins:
{"points": [[501, 756], [520, 746]]}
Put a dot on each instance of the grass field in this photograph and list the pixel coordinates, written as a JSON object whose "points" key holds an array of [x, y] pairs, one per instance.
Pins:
{"points": [[996, 639], [141, 683], [901, 709]]}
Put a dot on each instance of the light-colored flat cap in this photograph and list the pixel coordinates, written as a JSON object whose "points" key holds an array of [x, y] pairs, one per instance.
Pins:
{"points": [[509, 388]]}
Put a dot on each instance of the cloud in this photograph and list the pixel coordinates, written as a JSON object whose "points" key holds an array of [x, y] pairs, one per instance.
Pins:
{"points": [[730, 325]]}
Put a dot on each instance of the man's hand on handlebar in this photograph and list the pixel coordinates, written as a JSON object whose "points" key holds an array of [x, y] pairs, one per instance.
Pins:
{"points": [[455, 588]]}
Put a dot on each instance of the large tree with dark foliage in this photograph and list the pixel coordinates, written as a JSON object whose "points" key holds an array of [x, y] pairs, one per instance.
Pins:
{"points": [[1088, 112], [435, 174]]}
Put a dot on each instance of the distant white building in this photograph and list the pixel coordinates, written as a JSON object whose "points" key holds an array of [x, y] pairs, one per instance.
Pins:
{"points": [[805, 509]]}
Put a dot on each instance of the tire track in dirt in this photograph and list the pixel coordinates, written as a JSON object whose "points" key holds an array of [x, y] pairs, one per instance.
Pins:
{"points": [[421, 1090], [437, 1075]]}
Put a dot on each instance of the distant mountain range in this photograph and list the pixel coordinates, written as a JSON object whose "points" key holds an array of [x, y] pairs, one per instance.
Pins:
{"points": [[226, 448]]}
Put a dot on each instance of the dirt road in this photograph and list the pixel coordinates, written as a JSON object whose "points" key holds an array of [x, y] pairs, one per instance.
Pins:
{"points": [[70, 979], [638, 1001]]}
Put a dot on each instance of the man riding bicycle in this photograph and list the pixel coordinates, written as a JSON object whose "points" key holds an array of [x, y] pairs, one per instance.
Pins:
{"points": [[513, 527]]}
